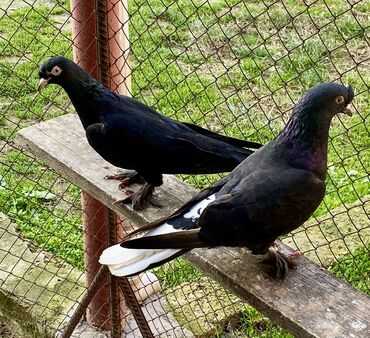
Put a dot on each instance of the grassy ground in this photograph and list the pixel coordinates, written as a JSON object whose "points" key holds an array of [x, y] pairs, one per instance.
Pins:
{"points": [[231, 67]]}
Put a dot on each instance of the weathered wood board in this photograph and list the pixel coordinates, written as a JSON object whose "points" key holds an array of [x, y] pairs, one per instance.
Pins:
{"points": [[310, 302]]}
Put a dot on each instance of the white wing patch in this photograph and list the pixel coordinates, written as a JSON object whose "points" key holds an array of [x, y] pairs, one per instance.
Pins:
{"points": [[122, 261], [198, 208]]}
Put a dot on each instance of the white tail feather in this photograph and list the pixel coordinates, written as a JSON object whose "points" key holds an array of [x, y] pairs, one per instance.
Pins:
{"points": [[123, 261]]}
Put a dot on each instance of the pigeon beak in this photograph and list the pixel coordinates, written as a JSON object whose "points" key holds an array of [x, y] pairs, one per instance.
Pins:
{"points": [[350, 96], [347, 111], [43, 82]]}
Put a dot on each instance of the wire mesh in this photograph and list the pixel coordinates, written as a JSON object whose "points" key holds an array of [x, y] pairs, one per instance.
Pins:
{"points": [[234, 67]]}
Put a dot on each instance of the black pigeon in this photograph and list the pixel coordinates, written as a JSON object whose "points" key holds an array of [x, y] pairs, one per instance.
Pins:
{"points": [[269, 194], [131, 135]]}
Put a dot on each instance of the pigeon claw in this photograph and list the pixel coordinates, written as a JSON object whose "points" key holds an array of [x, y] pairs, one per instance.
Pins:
{"points": [[124, 183], [278, 263], [141, 199], [126, 178], [294, 255], [128, 191], [122, 175], [122, 200]]}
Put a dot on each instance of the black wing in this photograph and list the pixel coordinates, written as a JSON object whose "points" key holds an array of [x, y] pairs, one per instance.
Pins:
{"points": [[223, 138], [265, 205], [203, 194], [139, 107], [253, 214], [142, 142]]}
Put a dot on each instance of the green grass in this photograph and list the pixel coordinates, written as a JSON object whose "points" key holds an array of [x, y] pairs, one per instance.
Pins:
{"points": [[253, 324], [38, 200], [177, 272], [226, 65], [43, 205], [355, 268]]}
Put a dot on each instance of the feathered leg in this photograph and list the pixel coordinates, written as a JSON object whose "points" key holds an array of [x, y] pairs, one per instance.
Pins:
{"points": [[278, 262], [142, 198]]}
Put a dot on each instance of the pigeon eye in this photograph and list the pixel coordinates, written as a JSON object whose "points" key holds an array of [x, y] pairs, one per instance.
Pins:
{"points": [[56, 70], [339, 99]]}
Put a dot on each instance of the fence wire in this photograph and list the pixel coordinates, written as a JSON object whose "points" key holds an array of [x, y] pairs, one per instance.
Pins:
{"points": [[235, 67]]}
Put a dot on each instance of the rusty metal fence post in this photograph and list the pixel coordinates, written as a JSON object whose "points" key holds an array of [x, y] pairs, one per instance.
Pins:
{"points": [[98, 38]]}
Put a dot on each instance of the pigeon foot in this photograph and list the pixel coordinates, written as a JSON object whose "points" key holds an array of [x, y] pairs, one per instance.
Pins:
{"points": [[279, 263], [129, 193], [291, 255], [142, 198], [126, 178]]}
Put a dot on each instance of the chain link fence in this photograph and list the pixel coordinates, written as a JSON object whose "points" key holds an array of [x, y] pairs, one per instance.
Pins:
{"points": [[235, 67]]}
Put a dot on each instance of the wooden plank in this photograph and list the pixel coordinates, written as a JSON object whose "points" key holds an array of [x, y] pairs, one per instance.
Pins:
{"points": [[310, 302]]}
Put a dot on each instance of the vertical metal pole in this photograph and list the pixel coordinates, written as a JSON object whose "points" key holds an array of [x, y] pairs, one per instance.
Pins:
{"points": [[110, 39], [85, 54], [119, 46], [114, 45], [95, 241], [114, 296], [101, 46], [83, 35], [87, 30]]}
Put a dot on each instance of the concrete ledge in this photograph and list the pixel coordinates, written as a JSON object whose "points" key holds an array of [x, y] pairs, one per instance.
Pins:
{"points": [[37, 292], [203, 307]]}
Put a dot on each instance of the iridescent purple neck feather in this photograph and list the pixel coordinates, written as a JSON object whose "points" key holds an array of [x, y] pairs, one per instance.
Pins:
{"points": [[305, 137]]}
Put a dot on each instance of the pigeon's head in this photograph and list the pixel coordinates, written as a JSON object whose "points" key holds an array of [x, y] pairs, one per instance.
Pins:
{"points": [[58, 70], [329, 99]]}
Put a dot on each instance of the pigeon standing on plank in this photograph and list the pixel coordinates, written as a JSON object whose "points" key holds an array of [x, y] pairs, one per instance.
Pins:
{"points": [[272, 192], [131, 135]]}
